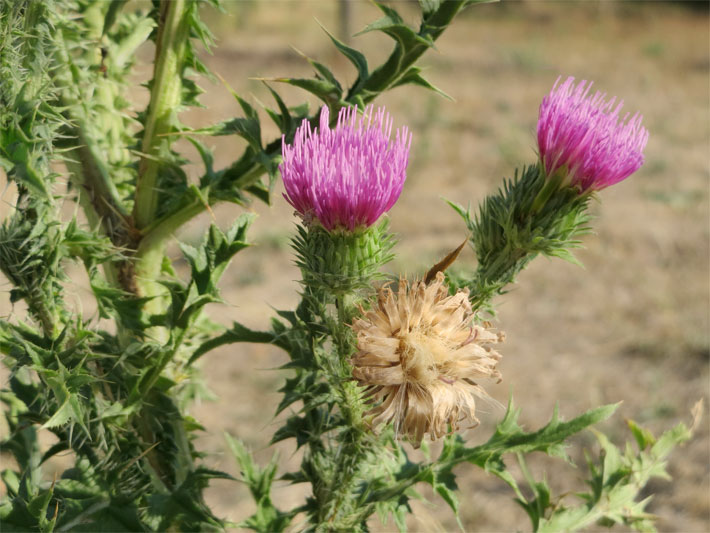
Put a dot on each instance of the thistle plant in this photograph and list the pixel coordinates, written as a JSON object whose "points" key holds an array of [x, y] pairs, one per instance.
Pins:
{"points": [[377, 363]]}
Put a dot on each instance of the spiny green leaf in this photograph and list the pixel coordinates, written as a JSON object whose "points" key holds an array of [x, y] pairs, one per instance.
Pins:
{"points": [[247, 128], [357, 58], [509, 437], [38, 506], [267, 517], [237, 333], [323, 72], [284, 120], [114, 8], [206, 156], [429, 6], [390, 14], [209, 260], [307, 427], [444, 484], [413, 76], [616, 480], [323, 89]]}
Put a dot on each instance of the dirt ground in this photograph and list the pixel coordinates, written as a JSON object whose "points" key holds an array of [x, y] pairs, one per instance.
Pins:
{"points": [[631, 327]]}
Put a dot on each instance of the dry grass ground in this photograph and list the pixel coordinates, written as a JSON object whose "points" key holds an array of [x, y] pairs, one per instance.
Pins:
{"points": [[631, 327]]}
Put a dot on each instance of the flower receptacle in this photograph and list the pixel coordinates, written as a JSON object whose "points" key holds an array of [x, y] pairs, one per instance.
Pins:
{"points": [[342, 261]]}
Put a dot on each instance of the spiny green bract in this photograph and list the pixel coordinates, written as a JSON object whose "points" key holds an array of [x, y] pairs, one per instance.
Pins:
{"points": [[510, 230], [340, 262]]}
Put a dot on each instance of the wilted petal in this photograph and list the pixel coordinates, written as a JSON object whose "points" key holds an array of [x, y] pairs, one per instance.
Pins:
{"points": [[378, 375]]}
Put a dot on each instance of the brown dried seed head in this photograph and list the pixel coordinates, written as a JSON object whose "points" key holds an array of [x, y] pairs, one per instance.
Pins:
{"points": [[420, 355]]}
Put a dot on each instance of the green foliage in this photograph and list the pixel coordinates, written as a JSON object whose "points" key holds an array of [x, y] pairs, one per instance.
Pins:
{"points": [[267, 517], [29, 123], [397, 70], [391, 484], [616, 478], [207, 264], [30, 253], [509, 437]]}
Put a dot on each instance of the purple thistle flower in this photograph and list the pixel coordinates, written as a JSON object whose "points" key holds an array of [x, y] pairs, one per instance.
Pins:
{"points": [[584, 134], [348, 176]]}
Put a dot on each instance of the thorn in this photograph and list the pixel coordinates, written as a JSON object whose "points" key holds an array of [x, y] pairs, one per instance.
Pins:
{"points": [[322, 27], [209, 210], [220, 78], [136, 459], [304, 56], [205, 203], [280, 80], [227, 86]]}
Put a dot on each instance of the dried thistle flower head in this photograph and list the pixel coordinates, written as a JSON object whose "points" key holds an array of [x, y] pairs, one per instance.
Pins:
{"points": [[419, 353]]}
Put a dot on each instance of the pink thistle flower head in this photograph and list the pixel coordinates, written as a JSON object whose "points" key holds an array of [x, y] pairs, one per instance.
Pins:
{"points": [[585, 135], [346, 177]]}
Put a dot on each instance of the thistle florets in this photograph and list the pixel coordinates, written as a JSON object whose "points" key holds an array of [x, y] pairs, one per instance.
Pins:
{"points": [[584, 137], [345, 177]]}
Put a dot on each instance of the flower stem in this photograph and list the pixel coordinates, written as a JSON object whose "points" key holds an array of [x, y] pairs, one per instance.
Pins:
{"points": [[165, 98], [351, 451]]}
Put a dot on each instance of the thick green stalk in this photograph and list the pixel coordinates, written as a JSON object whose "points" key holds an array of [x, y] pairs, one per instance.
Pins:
{"points": [[165, 98], [347, 462], [97, 193], [158, 233]]}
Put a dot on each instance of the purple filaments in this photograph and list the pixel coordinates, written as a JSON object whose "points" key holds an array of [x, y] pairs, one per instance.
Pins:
{"points": [[348, 176], [585, 134]]}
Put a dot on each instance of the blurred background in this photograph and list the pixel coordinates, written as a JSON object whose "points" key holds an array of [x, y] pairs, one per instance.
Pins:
{"points": [[631, 327]]}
